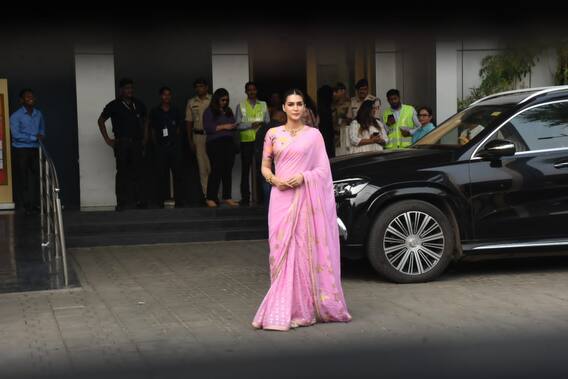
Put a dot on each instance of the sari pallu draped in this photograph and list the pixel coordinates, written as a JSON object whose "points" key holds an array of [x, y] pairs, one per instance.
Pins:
{"points": [[303, 237]]}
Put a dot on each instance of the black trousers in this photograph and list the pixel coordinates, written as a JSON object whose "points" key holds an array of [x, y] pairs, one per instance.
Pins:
{"points": [[169, 158], [25, 167], [221, 154], [192, 191], [129, 168], [247, 155]]}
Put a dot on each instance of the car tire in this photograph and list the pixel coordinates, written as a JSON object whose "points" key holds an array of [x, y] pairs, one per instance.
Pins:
{"points": [[423, 254]]}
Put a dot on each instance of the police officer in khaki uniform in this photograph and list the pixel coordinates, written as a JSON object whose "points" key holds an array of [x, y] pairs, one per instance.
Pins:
{"points": [[195, 132], [362, 90]]}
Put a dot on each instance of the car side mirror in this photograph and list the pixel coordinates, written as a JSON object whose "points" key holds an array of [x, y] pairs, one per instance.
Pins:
{"points": [[497, 148]]}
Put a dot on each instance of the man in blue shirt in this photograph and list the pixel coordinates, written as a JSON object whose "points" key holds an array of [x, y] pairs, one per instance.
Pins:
{"points": [[27, 127]]}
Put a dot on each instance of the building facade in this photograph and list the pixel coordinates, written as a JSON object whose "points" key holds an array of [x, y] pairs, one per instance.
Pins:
{"points": [[74, 74]]}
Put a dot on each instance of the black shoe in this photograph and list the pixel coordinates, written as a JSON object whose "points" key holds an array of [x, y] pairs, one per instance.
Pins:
{"points": [[244, 203], [119, 208]]}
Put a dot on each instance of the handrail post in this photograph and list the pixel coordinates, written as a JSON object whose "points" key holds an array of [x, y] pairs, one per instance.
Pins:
{"points": [[52, 230], [41, 194], [62, 240], [48, 207]]}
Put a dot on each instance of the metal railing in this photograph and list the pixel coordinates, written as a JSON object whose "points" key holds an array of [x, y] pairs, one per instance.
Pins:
{"points": [[52, 232]]}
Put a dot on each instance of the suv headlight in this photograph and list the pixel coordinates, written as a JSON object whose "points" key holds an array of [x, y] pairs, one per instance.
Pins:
{"points": [[347, 188]]}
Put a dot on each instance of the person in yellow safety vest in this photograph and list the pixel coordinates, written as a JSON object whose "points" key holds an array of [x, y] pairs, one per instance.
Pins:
{"points": [[250, 116], [401, 121]]}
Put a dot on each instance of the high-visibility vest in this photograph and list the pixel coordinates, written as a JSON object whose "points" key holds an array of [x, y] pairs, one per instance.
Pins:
{"points": [[251, 114], [396, 139]]}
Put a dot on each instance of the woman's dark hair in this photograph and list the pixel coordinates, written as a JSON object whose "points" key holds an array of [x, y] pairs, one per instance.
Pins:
{"points": [[311, 105], [427, 109], [365, 116], [215, 103], [293, 91], [308, 102]]}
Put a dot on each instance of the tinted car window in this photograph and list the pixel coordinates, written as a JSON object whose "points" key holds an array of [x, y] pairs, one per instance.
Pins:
{"points": [[463, 127], [540, 128]]}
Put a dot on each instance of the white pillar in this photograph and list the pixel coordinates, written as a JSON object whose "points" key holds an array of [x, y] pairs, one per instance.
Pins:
{"points": [[386, 69], [94, 75], [230, 68], [446, 79]]}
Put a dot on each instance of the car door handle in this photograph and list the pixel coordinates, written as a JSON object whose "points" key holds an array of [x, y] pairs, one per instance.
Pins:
{"points": [[561, 165]]}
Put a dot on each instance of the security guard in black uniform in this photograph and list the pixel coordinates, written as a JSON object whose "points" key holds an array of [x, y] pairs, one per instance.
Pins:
{"points": [[165, 125], [128, 116]]}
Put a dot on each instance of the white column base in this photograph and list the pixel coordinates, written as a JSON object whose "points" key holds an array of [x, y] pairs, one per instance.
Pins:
{"points": [[7, 206]]}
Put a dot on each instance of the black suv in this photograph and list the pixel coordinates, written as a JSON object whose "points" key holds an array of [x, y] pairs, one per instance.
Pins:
{"points": [[492, 178]]}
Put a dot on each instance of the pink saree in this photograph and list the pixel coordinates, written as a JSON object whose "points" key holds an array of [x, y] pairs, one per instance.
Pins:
{"points": [[303, 236]]}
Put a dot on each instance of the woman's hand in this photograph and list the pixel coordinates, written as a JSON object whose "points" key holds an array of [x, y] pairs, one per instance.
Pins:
{"points": [[378, 139], [295, 181], [221, 127], [280, 184], [226, 127]]}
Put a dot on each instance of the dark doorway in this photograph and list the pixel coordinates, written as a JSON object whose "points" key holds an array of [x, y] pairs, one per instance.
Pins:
{"points": [[278, 64]]}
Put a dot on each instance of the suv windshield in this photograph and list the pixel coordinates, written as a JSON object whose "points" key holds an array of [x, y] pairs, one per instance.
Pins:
{"points": [[462, 128]]}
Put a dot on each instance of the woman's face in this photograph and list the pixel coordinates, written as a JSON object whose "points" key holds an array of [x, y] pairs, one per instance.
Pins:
{"points": [[424, 117], [377, 109], [294, 107], [224, 102]]}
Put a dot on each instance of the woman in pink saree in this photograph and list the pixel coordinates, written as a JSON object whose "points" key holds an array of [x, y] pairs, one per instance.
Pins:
{"points": [[303, 236]]}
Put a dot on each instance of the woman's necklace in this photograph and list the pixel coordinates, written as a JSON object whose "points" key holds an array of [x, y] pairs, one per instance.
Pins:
{"points": [[293, 132]]}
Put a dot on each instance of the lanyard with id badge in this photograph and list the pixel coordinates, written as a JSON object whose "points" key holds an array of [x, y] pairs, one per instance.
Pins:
{"points": [[165, 131], [131, 109]]}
